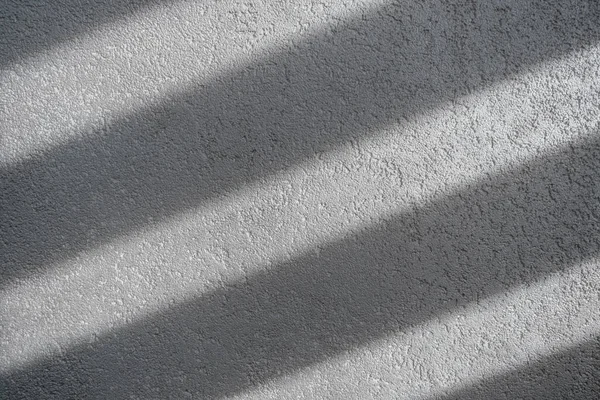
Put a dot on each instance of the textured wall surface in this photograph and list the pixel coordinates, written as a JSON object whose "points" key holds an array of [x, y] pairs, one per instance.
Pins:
{"points": [[300, 199]]}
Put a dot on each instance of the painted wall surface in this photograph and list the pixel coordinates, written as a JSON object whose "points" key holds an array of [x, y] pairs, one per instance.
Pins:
{"points": [[300, 199]]}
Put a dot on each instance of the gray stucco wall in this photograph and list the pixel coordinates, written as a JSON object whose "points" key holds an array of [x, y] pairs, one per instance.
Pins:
{"points": [[375, 199]]}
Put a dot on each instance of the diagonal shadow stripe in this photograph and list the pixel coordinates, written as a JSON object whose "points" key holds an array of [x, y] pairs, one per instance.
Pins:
{"points": [[377, 69], [511, 229], [29, 27], [570, 374]]}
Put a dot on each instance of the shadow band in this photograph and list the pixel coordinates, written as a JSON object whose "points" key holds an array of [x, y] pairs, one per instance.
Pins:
{"points": [[572, 374], [511, 229], [380, 68], [30, 27]]}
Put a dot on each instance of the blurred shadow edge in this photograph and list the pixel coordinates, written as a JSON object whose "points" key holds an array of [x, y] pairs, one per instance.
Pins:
{"points": [[572, 373], [508, 230], [376, 69], [31, 27]]}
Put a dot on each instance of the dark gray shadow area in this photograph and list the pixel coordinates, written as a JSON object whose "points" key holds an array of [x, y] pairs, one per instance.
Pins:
{"points": [[507, 230], [383, 67], [572, 374], [28, 27]]}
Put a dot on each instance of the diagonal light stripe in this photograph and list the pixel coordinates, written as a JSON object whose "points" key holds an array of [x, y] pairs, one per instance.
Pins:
{"points": [[316, 202], [156, 165], [502, 126], [303, 208], [368, 296], [461, 348], [79, 87], [163, 54]]}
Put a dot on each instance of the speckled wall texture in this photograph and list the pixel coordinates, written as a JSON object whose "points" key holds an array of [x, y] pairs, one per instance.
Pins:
{"points": [[362, 199]]}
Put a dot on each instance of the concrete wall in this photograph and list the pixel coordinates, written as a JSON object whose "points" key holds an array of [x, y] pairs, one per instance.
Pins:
{"points": [[300, 199]]}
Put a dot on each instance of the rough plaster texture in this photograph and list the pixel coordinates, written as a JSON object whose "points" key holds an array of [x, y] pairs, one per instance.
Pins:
{"points": [[300, 199]]}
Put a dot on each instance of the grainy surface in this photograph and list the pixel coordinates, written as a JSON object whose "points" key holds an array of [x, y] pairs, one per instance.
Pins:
{"points": [[300, 199]]}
